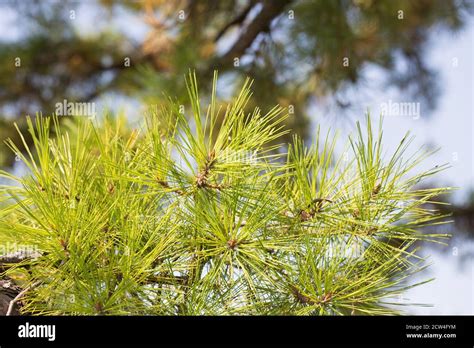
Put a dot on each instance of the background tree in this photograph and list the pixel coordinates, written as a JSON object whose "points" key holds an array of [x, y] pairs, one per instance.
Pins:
{"points": [[297, 51]]}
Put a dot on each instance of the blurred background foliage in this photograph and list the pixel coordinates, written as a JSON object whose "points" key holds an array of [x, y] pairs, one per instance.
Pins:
{"points": [[295, 50]]}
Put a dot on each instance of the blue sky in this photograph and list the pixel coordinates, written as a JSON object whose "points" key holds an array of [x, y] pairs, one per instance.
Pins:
{"points": [[450, 126]]}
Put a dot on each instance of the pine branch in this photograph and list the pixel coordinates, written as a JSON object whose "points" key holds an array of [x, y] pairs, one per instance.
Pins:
{"points": [[190, 218]]}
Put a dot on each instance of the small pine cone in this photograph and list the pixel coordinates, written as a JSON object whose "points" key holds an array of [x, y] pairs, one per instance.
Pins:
{"points": [[232, 244]]}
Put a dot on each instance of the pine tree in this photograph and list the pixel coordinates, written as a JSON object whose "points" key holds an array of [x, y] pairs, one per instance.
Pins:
{"points": [[186, 217]]}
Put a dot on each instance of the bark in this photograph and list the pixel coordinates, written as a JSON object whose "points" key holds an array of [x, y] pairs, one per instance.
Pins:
{"points": [[8, 292], [260, 24]]}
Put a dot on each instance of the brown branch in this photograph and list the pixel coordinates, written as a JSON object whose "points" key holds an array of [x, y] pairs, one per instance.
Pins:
{"points": [[313, 208], [260, 24], [17, 298], [237, 20], [203, 175], [8, 291], [167, 279], [301, 298], [167, 186]]}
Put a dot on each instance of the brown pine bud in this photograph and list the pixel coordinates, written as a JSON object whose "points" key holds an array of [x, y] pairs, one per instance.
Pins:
{"points": [[110, 188], [376, 189], [305, 215], [232, 244]]}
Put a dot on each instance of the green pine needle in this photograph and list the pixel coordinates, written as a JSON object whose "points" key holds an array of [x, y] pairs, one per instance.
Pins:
{"points": [[204, 213]]}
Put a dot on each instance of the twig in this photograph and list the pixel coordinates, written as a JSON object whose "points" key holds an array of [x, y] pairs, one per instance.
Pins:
{"points": [[166, 185], [17, 298]]}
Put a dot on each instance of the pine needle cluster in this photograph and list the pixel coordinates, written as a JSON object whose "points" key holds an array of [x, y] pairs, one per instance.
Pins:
{"points": [[205, 213]]}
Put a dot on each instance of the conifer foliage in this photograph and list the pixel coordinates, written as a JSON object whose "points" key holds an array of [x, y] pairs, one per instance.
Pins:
{"points": [[205, 213]]}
